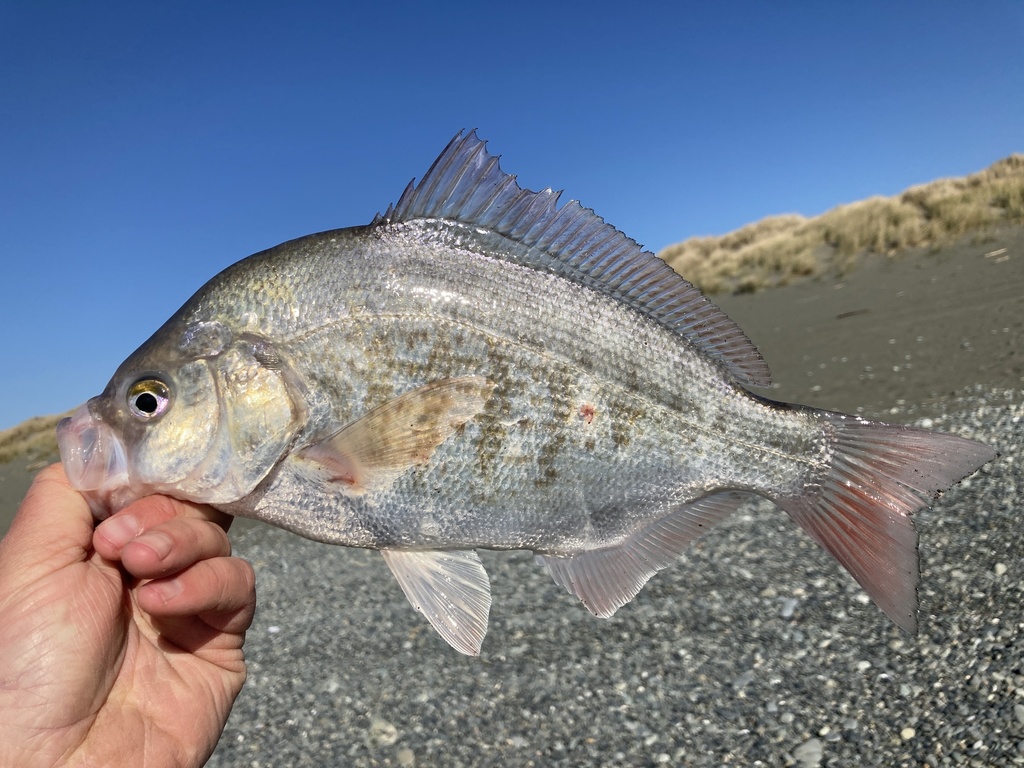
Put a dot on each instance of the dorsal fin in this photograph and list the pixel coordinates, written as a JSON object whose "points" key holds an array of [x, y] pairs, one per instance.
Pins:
{"points": [[466, 184]]}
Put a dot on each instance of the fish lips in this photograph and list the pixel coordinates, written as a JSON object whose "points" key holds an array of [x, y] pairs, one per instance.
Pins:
{"points": [[95, 462]]}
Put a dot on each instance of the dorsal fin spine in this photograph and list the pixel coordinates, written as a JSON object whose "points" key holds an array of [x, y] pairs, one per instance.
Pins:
{"points": [[469, 189], [496, 191], [518, 211], [554, 239], [466, 184], [593, 251], [539, 213], [438, 177]]}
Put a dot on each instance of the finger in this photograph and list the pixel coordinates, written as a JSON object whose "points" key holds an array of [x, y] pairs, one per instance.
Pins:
{"points": [[51, 530], [114, 533], [173, 546], [220, 593]]}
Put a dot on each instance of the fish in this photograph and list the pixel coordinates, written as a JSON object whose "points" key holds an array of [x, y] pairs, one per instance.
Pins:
{"points": [[483, 367]]}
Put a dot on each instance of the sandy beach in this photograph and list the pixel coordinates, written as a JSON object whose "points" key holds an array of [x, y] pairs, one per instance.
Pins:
{"points": [[756, 649]]}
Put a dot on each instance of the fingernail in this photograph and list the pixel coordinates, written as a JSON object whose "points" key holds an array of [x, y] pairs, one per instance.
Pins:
{"points": [[120, 530], [159, 542], [166, 590]]}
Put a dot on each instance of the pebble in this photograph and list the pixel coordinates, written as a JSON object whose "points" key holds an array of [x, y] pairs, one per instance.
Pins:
{"points": [[908, 733], [789, 605], [381, 734], [810, 753]]}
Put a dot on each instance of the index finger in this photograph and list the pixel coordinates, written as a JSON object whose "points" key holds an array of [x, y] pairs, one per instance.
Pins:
{"points": [[114, 533]]}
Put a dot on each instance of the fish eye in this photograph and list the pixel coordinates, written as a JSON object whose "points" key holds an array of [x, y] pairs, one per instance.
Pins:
{"points": [[148, 398]]}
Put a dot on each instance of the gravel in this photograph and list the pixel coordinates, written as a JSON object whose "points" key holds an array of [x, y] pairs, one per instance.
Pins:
{"points": [[755, 650]]}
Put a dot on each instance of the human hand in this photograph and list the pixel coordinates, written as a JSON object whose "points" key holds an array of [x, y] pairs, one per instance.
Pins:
{"points": [[120, 645]]}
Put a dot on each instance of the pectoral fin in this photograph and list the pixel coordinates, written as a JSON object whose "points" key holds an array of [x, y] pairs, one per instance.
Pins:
{"points": [[606, 579], [450, 588], [371, 452]]}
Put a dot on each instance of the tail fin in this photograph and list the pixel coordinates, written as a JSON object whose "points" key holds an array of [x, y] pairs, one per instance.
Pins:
{"points": [[881, 474]]}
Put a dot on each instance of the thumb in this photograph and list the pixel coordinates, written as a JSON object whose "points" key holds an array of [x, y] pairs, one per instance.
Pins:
{"points": [[53, 529]]}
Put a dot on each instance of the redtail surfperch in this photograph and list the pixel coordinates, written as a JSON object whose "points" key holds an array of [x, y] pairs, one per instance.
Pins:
{"points": [[480, 367]]}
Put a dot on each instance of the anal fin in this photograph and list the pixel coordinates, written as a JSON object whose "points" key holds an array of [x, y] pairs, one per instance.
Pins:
{"points": [[450, 588], [608, 578]]}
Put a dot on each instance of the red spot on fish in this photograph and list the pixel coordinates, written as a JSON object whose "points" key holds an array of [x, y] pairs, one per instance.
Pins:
{"points": [[587, 412]]}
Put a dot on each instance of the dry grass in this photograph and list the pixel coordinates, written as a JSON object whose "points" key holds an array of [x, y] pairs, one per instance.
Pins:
{"points": [[778, 249], [35, 439]]}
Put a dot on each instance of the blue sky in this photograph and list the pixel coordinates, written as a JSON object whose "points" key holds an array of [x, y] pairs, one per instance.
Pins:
{"points": [[145, 146]]}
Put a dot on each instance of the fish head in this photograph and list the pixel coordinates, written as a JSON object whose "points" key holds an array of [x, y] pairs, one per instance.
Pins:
{"points": [[198, 412]]}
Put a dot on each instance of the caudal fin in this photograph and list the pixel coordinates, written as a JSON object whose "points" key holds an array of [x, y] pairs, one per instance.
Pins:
{"points": [[861, 513]]}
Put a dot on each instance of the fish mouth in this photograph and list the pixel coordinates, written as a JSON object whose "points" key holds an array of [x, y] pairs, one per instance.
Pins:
{"points": [[95, 462]]}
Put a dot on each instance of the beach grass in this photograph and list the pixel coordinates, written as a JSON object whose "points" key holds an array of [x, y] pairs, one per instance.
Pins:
{"points": [[779, 249], [35, 439]]}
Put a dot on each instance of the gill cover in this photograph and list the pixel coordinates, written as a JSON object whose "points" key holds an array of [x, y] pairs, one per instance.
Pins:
{"points": [[230, 420]]}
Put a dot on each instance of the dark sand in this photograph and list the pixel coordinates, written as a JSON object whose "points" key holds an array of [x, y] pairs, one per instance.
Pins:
{"points": [[756, 649], [906, 329], [15, 478]]}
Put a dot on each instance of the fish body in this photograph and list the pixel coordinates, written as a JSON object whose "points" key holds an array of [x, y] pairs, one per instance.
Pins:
{"points": [[481, 368]]}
